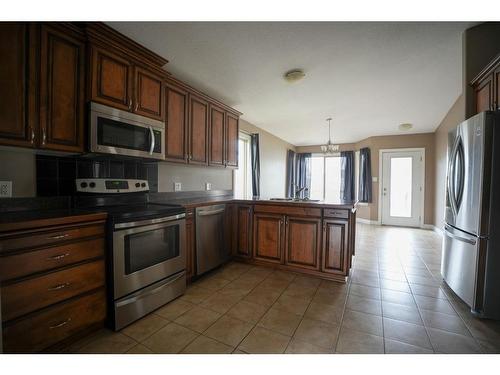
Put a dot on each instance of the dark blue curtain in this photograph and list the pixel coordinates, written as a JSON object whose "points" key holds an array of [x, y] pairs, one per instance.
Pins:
{"points": [[365, 176], [303, 174], [290, 174], [255, 156], [347, 175]]}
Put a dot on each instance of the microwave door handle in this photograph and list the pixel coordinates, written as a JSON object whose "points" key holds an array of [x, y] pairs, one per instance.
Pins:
{"points": [[152, 144]]}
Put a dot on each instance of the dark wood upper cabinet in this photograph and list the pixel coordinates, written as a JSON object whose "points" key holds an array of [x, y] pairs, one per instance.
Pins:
{"points": [[268, 237], [335, 246], [148, 99], [303, 242], [198, 130], [231, 140], [17, 78], [111, 79], [176, 124], [62, 90], [243, 231], [217, 121], [487, 88]]}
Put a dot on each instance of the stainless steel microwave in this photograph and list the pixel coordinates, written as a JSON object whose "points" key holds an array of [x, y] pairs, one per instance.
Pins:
{"points": [[117, 132]]}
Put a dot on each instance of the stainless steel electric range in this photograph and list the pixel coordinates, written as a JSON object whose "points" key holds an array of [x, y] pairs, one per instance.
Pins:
{"points": [[146, 257]]}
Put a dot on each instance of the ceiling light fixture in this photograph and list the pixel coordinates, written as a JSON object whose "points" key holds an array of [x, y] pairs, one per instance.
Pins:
{"points": [[294, 75], [329, 148], [405, 127]]}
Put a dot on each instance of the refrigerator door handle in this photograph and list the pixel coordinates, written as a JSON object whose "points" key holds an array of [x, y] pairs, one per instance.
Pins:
{"points": [[448, 231]]}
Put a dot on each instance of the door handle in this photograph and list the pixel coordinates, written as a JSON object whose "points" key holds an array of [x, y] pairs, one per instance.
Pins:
{"points": [[152, 145], [458, 238], [209, 213]]}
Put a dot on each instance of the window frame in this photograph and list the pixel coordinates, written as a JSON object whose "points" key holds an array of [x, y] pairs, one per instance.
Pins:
{"points": [[246, 137]]}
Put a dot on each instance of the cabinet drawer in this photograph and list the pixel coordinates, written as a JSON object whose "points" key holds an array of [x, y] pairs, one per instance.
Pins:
{"points": [[288, 210], [33, 294], [55, 236], [54, 324], [332, 212], [24, 264]]}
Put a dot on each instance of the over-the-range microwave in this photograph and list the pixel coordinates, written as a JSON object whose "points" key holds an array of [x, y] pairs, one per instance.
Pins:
{"points": [[117, 132]]}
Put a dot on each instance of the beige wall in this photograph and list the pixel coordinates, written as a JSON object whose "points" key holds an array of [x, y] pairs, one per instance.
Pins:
{"points": [[18, 166], [273, 152], [193, 178], [454, 117]]}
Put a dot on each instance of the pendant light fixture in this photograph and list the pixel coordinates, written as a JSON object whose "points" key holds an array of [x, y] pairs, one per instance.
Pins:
{"points": [[329, 148]]}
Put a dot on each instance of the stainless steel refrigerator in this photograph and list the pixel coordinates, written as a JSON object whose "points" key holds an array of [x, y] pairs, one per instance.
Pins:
{"points": [[471, 246]]}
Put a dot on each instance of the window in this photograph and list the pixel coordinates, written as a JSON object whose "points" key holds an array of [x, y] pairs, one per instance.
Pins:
{"points": [[242, 177], [325, 177]]}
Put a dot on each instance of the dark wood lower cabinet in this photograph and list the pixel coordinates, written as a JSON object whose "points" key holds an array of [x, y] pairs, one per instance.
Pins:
{"points": [[243, 236], [268, 237], [335, 246], [303, 242]]}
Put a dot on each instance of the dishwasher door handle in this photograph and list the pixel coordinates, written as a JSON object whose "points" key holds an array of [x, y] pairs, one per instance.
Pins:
{"points": [[210, 213]]}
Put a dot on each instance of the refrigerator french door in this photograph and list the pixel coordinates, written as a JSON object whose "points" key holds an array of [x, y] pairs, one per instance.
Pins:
{"points": [[470, 261]]}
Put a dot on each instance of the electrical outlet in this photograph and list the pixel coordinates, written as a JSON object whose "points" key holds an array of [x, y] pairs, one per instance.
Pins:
{"points": [[208, 186], [5, 189], [177, 186]]}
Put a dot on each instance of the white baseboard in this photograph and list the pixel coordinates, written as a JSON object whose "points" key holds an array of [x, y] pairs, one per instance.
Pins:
{"points": [[366, 221]]}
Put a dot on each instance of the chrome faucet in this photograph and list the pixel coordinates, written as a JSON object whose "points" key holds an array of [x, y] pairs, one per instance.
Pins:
{"points": [[298, 190]]}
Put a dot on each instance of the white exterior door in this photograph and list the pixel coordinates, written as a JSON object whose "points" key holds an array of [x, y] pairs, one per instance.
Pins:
{"points": [[402, 188]]}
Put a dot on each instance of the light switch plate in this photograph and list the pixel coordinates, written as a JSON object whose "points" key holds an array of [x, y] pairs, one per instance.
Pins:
{"points": [[5, 189], [374, 179], [177, 186], [208, 186]]}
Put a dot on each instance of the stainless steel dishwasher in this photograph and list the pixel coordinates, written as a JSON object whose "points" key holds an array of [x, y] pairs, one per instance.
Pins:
{"points": [[211, 249]]}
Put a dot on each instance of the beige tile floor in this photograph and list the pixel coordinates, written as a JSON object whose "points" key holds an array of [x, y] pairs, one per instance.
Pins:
{"points": [[395, 302]]}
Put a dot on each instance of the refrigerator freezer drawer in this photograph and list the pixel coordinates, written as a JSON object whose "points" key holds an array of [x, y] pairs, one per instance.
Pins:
{"points": [[459, 263]]}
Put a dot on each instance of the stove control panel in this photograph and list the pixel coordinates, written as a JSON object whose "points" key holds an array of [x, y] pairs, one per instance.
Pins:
{"points": [[109, 185]]}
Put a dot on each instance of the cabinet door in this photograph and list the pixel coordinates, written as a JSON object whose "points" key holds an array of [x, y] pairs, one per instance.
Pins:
{"points": [[231, 140], [244, 231], [496, 79], [15, 88], [217, 121], [335, 246], [198, 130], [148, 94], [190, 245], [268, 237], [111, 79], [303, 242], [484, 94], [62, 100], [176, 124]]}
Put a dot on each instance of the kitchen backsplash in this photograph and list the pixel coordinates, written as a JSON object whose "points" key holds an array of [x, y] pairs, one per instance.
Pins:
{"points": [[55, 175]]}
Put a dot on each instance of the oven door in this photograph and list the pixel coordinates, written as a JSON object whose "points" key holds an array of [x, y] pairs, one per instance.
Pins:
{"points": [[146, 252], [122, 133]]}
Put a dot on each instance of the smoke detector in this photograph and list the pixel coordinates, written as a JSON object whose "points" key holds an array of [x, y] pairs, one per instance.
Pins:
{"points": [[294, 75], [405, 127]]}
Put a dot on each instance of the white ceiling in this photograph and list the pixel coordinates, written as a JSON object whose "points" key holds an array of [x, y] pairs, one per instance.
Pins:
{"points": [[370, 77]]}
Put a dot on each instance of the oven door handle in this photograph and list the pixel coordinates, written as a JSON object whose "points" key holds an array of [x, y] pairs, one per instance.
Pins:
{"points": [[142, 223], [152, 145]]}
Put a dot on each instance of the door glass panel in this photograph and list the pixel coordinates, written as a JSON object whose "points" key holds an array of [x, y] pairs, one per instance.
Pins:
{"points": [[146, 249], [401, 187]]}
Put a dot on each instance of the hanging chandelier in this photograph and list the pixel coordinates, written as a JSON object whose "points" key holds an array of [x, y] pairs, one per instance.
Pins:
{"points": [[329, 148]]}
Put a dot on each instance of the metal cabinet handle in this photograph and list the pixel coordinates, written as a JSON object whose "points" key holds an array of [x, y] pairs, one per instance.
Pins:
{"points": [[130, 103], [152, 145], [136, 106], [62, 324], [59, 287], [58, 236], [32, 135], [44, 136], [58, 257]]}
